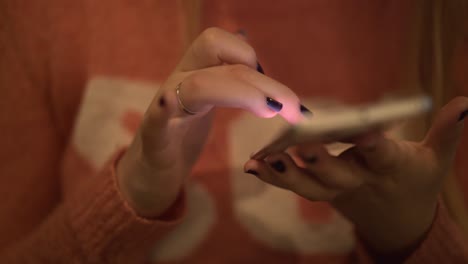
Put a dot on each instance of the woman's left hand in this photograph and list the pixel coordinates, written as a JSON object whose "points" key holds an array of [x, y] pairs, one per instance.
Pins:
{"points": [[387, 188]]}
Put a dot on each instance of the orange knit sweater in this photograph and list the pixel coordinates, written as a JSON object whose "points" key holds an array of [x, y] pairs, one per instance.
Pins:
{"points": [[75, 77]]}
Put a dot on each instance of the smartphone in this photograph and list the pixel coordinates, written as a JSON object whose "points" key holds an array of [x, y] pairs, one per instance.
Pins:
{"points": [[338, 123]]}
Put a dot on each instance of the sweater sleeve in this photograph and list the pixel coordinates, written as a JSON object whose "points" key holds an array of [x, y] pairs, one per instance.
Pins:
{"points": [[94, 225], [443, 244], [59, 210]]}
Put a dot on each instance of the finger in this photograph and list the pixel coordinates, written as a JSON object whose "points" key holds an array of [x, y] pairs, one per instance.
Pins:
{"points": [[153, 132], [305, 153], [281, 171], [237, 86], [447, 127], [203, 90], [261, 170], [242, 34], [215, 47], [364, 140], [291, 110], [334, 172], [381, 155]]}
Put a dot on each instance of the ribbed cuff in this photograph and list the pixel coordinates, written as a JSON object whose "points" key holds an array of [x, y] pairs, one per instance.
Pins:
{"points": [[443, 244], [106, 225]]}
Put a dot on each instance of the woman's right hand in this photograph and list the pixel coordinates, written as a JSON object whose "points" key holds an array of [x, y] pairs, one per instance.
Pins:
{"points": [[218, 70]]}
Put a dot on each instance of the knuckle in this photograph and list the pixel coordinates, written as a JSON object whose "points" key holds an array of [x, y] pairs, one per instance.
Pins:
{"points": [[195, 81], [211, 31], [250, 53], [209, 39], [241, 71]]}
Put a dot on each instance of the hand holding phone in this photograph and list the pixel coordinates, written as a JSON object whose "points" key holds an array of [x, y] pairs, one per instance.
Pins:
{"points": [[343, 122]]}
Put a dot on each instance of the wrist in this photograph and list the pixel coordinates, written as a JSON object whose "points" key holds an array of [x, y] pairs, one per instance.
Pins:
{"points": [[397, 232], [146, 193], [388, 223]]}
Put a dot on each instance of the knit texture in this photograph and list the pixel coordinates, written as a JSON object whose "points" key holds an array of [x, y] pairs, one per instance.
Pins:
{"points": [[76, 78]]}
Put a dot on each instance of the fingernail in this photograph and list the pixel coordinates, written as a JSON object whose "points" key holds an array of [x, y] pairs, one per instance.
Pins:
{"points": [[273, 104], [260, 68], [305, 110], [252, 172], [278, 166], [463, 115], [242, 32]]}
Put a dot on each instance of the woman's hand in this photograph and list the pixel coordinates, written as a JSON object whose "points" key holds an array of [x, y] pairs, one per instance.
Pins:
{"points": [[219, 69], [388, 188]]}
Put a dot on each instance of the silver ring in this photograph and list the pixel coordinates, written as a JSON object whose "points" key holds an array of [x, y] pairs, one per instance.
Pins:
{"points": [[181, 105]]}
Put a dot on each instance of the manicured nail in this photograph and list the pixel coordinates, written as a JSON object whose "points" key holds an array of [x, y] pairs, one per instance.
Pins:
{"points": [[273, 104], [278, 166], [260, 68], [162, 101], [252, 172], [305, 110], [242, 32], [463, 115]]}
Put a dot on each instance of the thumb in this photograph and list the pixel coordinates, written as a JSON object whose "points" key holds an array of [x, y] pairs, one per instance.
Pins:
{"points": [[447, 127], [378, 152], [373, 150]]}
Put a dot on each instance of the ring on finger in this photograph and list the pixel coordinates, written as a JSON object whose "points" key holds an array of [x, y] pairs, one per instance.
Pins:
{"points": [[179, 101]]}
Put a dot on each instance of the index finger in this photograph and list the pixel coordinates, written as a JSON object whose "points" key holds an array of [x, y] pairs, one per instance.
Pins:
{"points": [[216, 47]]}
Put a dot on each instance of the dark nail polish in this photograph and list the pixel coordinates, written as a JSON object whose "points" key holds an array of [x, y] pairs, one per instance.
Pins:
{"points": [[273, 104], [463, 115], [305, 110], [278, 166], [162, 102], [260, 68], [252, 172], [311, 159], [242, 32]]}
